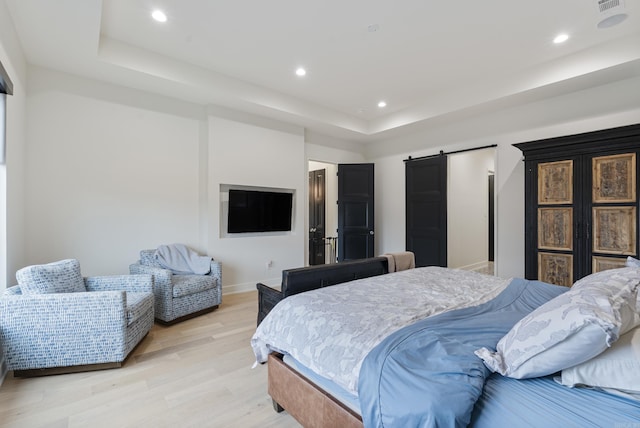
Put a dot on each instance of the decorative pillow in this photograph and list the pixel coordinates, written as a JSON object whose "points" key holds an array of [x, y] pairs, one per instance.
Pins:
{"points": [[58, 277], [569, 329], [618, 367], [632, 262]]}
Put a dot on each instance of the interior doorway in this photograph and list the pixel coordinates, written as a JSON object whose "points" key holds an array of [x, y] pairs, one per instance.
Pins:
{"points": [[317, 208], [322, 245], [471, 201]]}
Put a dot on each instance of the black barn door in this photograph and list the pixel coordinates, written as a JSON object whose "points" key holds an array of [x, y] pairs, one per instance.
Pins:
{"points": [[355, 211], [426, 210]]}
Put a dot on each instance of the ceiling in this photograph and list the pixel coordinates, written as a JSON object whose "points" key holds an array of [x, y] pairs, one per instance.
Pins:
{"points": [[428, 60]]}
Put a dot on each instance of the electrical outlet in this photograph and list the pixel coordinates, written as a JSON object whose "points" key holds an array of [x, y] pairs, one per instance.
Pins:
{"points": [[269, 264]]}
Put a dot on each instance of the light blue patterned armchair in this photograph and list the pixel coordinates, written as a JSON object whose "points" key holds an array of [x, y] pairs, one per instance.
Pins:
{"points": [[180, 297], [55, 321]]}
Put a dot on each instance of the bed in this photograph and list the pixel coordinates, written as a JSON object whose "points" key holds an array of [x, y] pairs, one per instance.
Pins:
{"points": [[441, 347]]}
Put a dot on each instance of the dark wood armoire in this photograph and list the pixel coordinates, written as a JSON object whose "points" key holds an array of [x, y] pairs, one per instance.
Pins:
{"points": [[581, 203]]}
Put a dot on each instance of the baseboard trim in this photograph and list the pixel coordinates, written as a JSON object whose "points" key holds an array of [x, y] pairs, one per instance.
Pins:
{"points": [[475, 266], [248, 286]]}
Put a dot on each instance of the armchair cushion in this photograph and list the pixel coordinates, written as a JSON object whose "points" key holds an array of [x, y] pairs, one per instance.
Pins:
{"points": [[59, 277], [184, 285]]}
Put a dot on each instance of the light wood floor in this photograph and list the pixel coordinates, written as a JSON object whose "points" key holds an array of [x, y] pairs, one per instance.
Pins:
{"points": [[194, 374]]}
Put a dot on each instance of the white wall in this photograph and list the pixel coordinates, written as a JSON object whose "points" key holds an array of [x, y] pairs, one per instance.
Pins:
{"points": [[612, 105], [12, 240], [468, 208], [111, 171], [389, 191], [248, 155], [105, 178]]}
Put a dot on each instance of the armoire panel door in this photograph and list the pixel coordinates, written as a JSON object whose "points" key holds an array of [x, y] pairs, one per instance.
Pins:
{"points": [[555, 226]]}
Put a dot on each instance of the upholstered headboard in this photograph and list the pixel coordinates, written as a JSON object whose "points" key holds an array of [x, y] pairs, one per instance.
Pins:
{"points": [[298, 280]]}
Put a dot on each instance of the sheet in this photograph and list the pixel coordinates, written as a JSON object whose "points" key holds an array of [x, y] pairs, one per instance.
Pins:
{"points": [[332, 329], [427, 374], [340, 394], [541, 402]]}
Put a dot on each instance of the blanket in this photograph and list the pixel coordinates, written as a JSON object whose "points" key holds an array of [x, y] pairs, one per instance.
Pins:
{"points": [[426, 374], [400, 261], [331, 330], [182, 260]]}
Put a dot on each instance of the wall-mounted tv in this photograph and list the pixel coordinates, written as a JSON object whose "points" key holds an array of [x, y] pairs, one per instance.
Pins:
{"points": [[259, 211]]}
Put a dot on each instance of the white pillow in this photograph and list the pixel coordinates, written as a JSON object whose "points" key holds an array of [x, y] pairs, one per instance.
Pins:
{"points": [[569, 329], [632, 262], [618, 367]]}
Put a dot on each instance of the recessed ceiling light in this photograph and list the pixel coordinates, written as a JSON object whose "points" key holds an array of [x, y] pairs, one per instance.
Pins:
{"points": [[301, 71], [382, 104], [561, 38], [159, 15]]}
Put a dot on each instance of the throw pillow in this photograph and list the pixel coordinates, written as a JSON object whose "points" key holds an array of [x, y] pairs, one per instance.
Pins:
{"points": [[569, 329], [57, 277]]}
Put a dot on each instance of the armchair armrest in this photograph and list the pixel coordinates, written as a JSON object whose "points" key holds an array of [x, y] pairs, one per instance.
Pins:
{"points": [[161, 277], [216, 271], [88, 327], [131, 283], [137, 268]]}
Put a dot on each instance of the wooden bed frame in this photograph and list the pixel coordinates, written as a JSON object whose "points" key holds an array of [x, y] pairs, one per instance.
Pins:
{"points": [[306, 402], [301, 398]]}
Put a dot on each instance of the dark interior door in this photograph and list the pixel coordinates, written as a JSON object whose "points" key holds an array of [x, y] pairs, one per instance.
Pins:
{"points": [[316, 217], [491, 249], [355, 211], [426, 210]]}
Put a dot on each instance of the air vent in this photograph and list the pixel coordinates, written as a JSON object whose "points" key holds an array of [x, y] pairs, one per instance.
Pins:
{"points": [[605, 5], [610, 13]]}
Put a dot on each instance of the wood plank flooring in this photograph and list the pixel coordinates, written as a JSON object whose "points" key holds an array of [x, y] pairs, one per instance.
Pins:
{"points": [[193, 374]]}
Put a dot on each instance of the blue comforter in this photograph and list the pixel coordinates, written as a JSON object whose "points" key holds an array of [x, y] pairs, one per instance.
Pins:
{"points": [[426, 374]]}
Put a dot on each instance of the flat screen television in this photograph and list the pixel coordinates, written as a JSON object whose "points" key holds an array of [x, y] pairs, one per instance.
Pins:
{"points": [[259, 211]]}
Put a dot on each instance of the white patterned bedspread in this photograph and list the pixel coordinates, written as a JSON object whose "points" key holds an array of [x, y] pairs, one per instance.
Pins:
{"points": [[330, 330]]}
